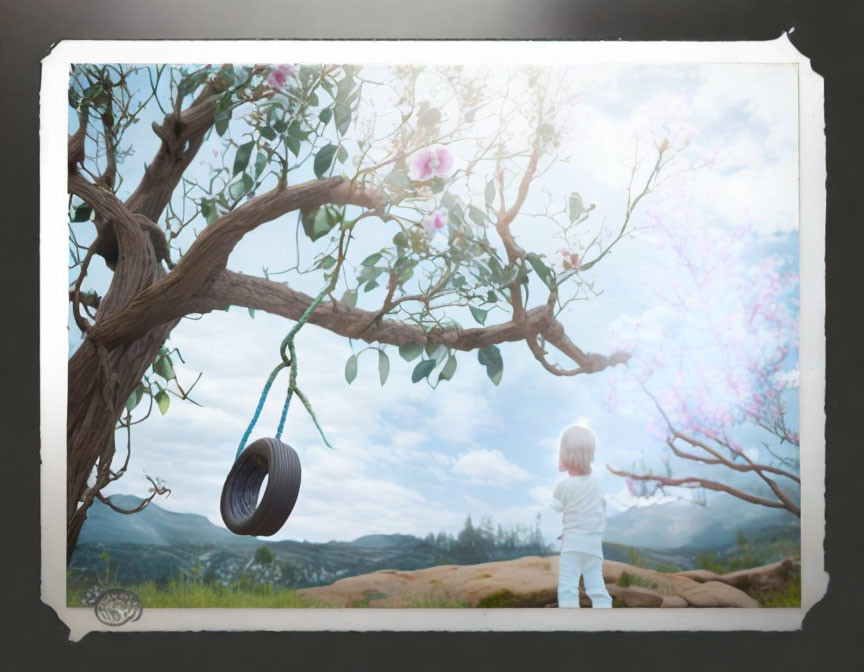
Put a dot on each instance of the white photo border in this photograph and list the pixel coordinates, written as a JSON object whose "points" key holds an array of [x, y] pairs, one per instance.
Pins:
{"points": [[54, 345]]}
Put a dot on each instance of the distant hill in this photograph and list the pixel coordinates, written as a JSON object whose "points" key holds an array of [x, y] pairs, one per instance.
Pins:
{"points": [[152, 526], [688, 525], [155, 545]]}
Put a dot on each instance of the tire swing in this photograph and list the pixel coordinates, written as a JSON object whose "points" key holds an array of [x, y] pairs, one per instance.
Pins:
{"points": [[269, 458]]}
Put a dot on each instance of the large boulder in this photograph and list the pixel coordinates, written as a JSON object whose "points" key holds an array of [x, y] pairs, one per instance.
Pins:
{"points": [[700, 575], [533, 582], [635, 596], [524, 582], [775, 576], [715, 594]]}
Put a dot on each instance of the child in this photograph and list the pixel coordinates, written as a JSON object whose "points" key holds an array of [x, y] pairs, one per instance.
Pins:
{"points": [[580, 499]]}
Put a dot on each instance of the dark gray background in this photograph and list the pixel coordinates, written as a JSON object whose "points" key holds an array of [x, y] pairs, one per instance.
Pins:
{"points": [[33, 638]]}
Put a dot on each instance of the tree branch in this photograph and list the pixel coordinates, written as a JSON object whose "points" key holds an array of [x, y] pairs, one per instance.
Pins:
{"points": [[171, 297], [236, 289], [695, 482]]}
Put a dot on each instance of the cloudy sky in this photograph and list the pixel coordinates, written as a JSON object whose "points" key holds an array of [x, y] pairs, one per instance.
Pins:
{"points": [[414, 460]]}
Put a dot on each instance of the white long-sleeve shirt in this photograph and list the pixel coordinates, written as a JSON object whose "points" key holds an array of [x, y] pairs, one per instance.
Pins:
{"points": [[580, 500]]}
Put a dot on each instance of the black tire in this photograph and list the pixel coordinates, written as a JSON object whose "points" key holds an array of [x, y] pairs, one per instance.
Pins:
{"points": [[264, 457]]}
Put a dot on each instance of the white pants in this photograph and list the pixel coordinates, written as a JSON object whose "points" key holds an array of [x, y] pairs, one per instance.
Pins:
{"points": [[574, 564]]}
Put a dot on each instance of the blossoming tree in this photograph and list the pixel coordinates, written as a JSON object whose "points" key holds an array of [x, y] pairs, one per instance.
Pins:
{"points": [[350, 151], [717, 360]]}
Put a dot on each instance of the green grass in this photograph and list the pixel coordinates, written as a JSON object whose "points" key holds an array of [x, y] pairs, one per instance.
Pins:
{"points": [[746, 555], [186, 594], [788, 596], [626, 579], [437, 602], [179, 594]]}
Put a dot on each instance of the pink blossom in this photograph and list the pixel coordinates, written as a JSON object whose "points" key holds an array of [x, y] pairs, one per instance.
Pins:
{"points": [[631, 487], [435, 222], [279, 75], [436, 161]]}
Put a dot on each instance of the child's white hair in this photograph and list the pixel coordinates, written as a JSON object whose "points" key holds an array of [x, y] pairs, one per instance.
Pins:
{"points": [[576, 451]]}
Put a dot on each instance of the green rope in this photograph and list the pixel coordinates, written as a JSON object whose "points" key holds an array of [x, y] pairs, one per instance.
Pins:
{"points": [[289, 360]]}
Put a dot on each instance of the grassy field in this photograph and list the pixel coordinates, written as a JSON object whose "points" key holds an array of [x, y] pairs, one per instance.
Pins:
{"points": [[187, 594], [179, 594]]}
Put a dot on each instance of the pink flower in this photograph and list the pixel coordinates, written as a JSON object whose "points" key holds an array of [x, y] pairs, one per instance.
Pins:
{"points": [[279, 75], [436, 161], [631, 487], [435, 222]]}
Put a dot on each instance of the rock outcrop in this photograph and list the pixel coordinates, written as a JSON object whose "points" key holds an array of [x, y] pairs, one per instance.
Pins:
{"points": [[532, 582]]}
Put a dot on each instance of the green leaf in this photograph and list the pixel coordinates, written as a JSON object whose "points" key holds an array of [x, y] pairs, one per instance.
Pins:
{"points": [[541, 269], [349, 298], [327, 262], [82, 213], [490, 192], [163, 401], [239, 187], [479, 314], [351, 369], [448, 202], [295, 130], [490, 357], [326, 115], [343, 88], [341, 154], [324, 223], [260, 163], [135, 398], [383, 366], [268, 133], [398, 179], [448, 370], [318, 222], [372, 284], [342, 116], [221, 125], [208, 211], [409, 351], [476, 215], [400, 239], [371, 260], [162, 367], [323, 160], [241, 158], [293, 144], [252, 313], [423, 369]]}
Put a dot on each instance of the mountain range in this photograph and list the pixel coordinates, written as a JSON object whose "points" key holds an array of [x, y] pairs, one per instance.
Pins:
{"points": [[156, 545]]}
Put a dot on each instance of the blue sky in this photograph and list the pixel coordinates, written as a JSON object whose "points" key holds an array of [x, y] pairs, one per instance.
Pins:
{"points": [[413, 460]]}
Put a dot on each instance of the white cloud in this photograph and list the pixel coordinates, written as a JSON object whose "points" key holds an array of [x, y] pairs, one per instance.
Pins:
{"points": [[489, 467]]}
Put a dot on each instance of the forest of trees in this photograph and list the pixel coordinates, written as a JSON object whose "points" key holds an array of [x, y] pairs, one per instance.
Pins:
{"points": [[487, 542]]}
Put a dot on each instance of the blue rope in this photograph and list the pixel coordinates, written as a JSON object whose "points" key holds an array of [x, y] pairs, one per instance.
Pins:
{"points": [[289, 359]]}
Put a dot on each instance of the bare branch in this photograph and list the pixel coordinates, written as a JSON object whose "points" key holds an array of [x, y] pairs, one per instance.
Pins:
{"points": [[696, 482]]}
